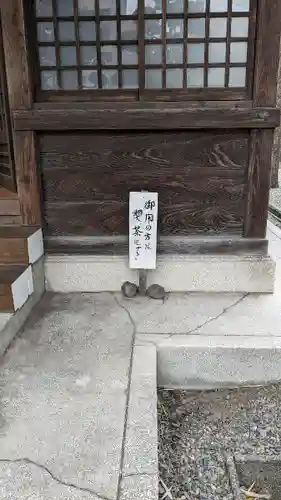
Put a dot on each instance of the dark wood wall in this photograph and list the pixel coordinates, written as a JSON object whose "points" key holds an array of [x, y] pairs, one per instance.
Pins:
{"points": [[201, 178]]}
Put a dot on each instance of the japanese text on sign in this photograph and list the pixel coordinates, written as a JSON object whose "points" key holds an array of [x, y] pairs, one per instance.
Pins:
{"points": [[143, 216]]}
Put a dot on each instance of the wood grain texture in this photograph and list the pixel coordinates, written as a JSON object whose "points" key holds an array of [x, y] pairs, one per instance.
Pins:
{"points": [[21, 97], [258, 184], [183, 245], [9, 207], [16, 56], [140, 117], [200, 177], [27, 180], [8, 220], [267, 52]]}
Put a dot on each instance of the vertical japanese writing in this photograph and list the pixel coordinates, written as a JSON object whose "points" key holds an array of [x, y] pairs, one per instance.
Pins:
{"points": [[143, 229]]}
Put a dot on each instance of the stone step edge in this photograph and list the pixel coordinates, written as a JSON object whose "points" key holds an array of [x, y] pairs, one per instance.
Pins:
{"points": [[11, 323], [205, 362], [139, 474]]}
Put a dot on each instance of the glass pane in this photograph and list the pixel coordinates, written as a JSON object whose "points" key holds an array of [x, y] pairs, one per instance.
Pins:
{"points": [[110, 79], [195, 77], [195, 53], [66, 31], [219, 6], [47, 56], [109, 55], [174, 53], [130, 54], [218, 27], [239, 27], [174, 6], [129, 30], [65, 7], [237, 77], [174, 78], [68, 56], [107, 7], [216, 77], [153, 29], [45, 32], [174, 28], [44, 8], [197, 6], [88, 55], [69, 80], [238, 52], [153, 54], [108, 30], [130, 79], [153, 6], [153, 79], [89, 79], [129, 7], [86, 7], [217, 52], [87, 31], [196, 28], [241, 5], [49, 80]]}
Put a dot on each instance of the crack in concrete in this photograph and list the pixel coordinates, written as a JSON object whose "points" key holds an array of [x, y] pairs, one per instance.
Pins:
{"points": [[214, 318], [134, 332], [137, 474], [28, 461]]}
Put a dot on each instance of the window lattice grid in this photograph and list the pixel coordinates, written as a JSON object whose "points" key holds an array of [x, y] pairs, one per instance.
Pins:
{"points": [[179, 44], [87, 44]]}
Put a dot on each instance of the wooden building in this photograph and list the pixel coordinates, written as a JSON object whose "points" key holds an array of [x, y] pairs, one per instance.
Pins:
{"points": [[103, 97]]}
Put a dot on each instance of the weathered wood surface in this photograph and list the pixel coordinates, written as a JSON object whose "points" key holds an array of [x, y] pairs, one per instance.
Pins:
{"points": [[141, 117], [20, 89], [200, 177], [184, 245], [258, 184]]}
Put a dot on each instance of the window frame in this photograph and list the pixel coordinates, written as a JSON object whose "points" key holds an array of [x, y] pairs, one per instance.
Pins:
{"points": [[146, 94]]}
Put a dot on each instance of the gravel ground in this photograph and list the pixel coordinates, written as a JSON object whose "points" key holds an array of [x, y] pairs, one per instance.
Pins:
{"points": [[196, 429]]}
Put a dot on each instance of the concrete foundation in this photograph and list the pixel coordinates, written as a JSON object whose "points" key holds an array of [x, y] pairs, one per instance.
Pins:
{"points": [[176, 273]]}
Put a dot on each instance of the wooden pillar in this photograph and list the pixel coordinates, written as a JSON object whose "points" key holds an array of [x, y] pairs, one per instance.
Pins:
{"points": [[20, 97], [276, 157], [264, 95]]}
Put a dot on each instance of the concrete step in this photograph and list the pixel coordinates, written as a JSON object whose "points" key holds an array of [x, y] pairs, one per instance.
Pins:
{"points": [[20, 245], [16, 285]]}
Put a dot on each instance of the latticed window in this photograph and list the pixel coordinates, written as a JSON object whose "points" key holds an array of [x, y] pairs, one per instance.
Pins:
{"points": [[141, 48]]}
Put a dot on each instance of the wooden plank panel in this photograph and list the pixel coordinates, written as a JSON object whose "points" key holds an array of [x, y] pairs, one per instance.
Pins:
{"points": [[184, 245], [166, 118], [200, 178], [258, 183], [13, 251], [9, 207]]}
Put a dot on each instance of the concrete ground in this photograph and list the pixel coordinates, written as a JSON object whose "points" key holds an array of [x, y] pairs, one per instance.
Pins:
{"points": [[69, 428], [78, 384]]}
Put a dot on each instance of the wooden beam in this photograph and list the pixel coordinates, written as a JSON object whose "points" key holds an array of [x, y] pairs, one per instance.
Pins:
{"points": [[258, 183], [164, 118], [20, 97], [118, 245], [267, 52], [265, 88], [27, 181]]}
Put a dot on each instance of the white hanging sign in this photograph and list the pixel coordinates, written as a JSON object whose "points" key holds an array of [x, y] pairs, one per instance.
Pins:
{"points": [[143, 215]]}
